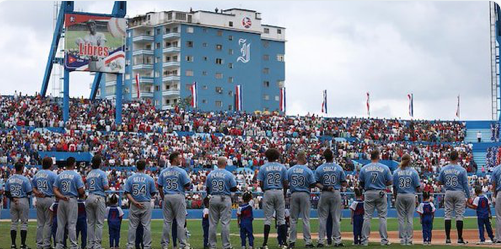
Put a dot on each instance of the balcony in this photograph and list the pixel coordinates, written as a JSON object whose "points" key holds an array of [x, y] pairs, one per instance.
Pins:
{"points": [[143, 38], [171, 64], [110, 83], [143, 52], [171, 92], [146, 79], [171, 50], [171, 78], [171, 36], [146, 94], [142, 67]]}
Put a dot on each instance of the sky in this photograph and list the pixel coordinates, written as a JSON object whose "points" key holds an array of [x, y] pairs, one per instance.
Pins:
{"points": [[435, 50]]}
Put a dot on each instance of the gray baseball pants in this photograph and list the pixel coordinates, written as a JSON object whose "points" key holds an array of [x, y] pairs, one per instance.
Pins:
{"points": [[219, 210], [300, 207], [375, 200]]}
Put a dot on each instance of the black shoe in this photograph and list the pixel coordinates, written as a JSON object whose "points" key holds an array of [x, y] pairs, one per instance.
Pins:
{"points": [[25, 247], [339, 245], [448, 241], [291, 245], [13, 247], [309, 246], [320, 245], [462, 242]]}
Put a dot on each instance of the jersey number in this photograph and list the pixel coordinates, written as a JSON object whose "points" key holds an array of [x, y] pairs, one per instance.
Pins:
{"points": [[374, 177], [42, 185], [65, 186], [92, 184], [330, 179], [297, 180], [451, 181], [404, 182], [138, 189], [273, 179], [171, 184], [15, 190], [217, 186]]}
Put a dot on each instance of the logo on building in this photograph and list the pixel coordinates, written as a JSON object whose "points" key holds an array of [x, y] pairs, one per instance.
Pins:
{"points": [[246, 22], [244, 51]]}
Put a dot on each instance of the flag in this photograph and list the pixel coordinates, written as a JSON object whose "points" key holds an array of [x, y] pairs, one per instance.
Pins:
{"points": [[194, 97], [137, 86], [368, 105], [282, 99], [324, 103], [238, 98], [411, 104], [458, 113]]}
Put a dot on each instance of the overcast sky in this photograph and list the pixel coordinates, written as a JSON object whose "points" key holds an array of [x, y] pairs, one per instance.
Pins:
{"points": [[435, 50]]}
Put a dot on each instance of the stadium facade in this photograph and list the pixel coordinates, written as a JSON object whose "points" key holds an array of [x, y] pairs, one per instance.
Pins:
{"points": [[219, 50]]}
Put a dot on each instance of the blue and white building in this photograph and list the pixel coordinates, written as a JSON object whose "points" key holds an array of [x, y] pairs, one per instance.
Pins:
{"points": [[218, 50]]}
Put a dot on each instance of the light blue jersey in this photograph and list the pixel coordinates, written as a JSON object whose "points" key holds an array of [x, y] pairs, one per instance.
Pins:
{"points": [[96, 181], [68, 183], [496, 177], [300, 178], [454, 178], [43, 181], [330, 175], [141, 187], [219, 182], [19, 186], [375, 176], [172, 180], [272, 175], [406, 180]]}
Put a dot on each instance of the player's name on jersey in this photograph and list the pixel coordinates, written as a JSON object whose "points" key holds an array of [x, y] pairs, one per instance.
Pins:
{"points": [[298, 170], [404, 173], [16, 180], [170, 173], [273, 168], [139, 179], [67, 176], [451, 171], [219, 174], [375, 168]]}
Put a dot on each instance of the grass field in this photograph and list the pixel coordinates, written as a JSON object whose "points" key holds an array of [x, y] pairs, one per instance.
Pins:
{"points": [[196, 238]]}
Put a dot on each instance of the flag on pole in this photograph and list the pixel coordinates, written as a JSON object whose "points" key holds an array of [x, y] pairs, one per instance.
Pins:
{"points": [[368, 104], [324, 103], [194, 97], [411, 104], [137, 86], [238, 98], [458, 111], [282, 99]]}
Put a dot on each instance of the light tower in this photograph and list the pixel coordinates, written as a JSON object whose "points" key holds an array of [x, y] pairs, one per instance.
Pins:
{"points": [[495, 40]]}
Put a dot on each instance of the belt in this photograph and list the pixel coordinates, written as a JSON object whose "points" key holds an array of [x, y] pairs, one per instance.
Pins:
{"points": [[49, 196]]}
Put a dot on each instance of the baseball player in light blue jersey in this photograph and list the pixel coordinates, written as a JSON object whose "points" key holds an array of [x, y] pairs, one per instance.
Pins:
{"points": [[172, 182], [330, 178], [42, 188], [219, 184], [140, 188], [67, 187], [405, 184], [272, 178], [17, 189], [374, 178], [457, 193], [301, 179], [496, 189], [95, 205]]}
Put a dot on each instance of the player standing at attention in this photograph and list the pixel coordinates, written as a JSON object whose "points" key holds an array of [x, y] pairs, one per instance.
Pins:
{"points": [[374, 178], [455, 180], [330, 178], [405, 184], [273, 181], [97, 183], [139, 189], [496, 190], [42, 188], [17, 189], [301, 179], [172, 182], [67, 188], [219, 184]]}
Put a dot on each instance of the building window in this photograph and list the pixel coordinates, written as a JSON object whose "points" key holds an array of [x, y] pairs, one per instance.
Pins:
{"points": [[158, 31], [266, 44], [266, 97], [230, 65], [266, 57], [205, 87], [167, 30], [189, 30], [189, 44], [219, 47], [219, 103], [230, 24], [219, 90], [230, 93], [175, 30], [230, 51], [204, 101], [280, 83], [230, 37], [277, 98], [230, 79], [189, 72], [157, 74], [230, 107], [266, 83], [157, 88], [205, 58], [189, 58], [129, 34], [158, 45], [167, 101], [219, 33], [266, 70], [266, 30], [219, 75], [279, 31], [204, 44], [127, 76], [280, 57], [204, 73], [219, 61]]}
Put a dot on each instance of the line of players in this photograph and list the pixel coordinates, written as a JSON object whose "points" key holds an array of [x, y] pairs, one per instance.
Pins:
{"points": [[274, 178]]}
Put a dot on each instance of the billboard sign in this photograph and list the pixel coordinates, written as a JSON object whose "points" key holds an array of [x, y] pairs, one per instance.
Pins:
{"points": [[95, 43]]}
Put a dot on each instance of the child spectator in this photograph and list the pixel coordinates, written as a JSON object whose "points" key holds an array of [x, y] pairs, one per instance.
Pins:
{"points": [[245, 217], [426, 210], [115, 215], [53, 209], [82, 223], [482, 204], [357, 216], [205, 222]]}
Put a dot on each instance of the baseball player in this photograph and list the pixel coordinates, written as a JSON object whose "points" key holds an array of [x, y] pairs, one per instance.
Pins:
{"points": [[139, 188], [220, 183], [67, 187], [301, 179], [42, 188], [406, 183], [172, 182], [496, 189], [330, 177], [95, 205], [272, 178], [457, 192], [374, 178], [17, 189]]}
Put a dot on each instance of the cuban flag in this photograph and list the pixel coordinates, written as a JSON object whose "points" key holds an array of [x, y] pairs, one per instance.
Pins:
{"points": [[137, 86], [282, 100], [411, 104], [368, 104], [238, 98], [324, 103], [194, 97]]}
